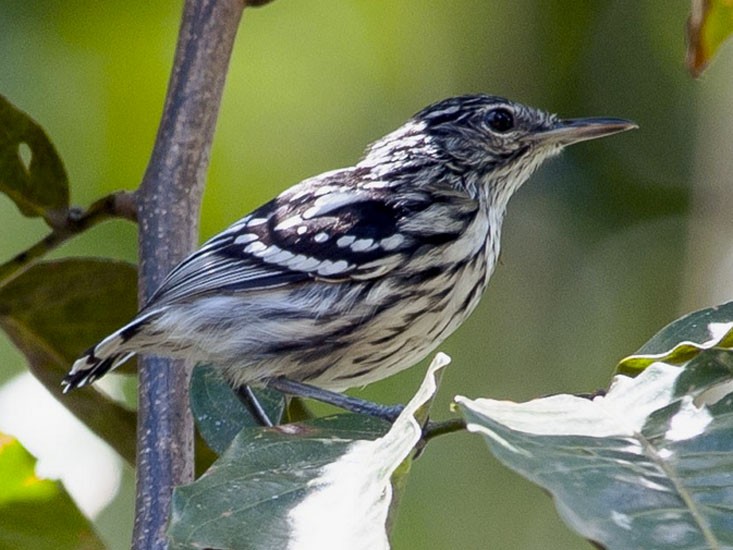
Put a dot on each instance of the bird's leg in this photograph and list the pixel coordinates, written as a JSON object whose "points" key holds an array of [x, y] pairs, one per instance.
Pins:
{"points": [[348, 403], [255, 409]]}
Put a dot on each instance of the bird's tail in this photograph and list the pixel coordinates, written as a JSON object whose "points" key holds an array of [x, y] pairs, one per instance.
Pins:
{"points": [[103, 357]]}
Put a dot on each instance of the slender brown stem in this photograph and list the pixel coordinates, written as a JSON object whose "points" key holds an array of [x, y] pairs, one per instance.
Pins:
{"points": [[117, 205], [169, 202]]}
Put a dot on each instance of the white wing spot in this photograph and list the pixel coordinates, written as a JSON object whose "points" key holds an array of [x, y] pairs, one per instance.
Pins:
{"points": [[281, 257], [390, 243], [288, 223], [256, 221], [246, 238], [363, 245], [301, 230], [236, 226], [324, 190], [328, 267], [321, 237], [345, 241], [271, 250], [329, 203], [254, 247], [303, 263]]}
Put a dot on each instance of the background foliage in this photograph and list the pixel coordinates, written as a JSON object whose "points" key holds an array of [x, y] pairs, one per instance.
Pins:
{"points": [[601, 248]]}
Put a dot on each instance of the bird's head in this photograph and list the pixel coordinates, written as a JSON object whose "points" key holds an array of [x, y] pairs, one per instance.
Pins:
{"points": [[490, 143]]}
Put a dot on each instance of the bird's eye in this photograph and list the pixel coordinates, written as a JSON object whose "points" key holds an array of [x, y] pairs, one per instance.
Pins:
{"points": [[500, 120]]}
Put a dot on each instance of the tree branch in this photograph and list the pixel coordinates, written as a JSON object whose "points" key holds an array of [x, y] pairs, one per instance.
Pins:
{"points": [[117, 205], [169, 203]]}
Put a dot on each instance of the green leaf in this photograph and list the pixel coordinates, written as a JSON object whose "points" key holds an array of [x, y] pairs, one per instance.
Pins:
{"points": [[710, 24], [17, 474], [325, 483], [219, 413], [647, 466], [31, 171], [37, 513], [56, 310], [683, 339]]}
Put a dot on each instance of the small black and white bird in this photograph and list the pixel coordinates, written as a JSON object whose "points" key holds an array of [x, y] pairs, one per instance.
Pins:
{"points": [[355, 274]]}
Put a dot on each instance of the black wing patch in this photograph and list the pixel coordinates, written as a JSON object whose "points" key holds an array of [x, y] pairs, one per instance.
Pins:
{"points": [[325, 228]]}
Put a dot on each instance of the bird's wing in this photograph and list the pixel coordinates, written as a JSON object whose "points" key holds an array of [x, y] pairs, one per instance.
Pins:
{"points": [[328, 228]]}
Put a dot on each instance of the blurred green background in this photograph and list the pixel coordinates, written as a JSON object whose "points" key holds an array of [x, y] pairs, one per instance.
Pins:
{"points": [[601, 249]]}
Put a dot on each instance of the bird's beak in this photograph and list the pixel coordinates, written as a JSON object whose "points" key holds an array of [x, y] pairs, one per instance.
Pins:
{"points": [[569, 131]]}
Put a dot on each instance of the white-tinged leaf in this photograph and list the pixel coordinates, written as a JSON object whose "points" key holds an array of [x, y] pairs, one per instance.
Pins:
{"points": [[642, 467], [683, 338], [323, 484]]}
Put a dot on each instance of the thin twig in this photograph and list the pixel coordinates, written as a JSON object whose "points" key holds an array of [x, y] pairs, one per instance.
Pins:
{"points": [[117, 205], [434, 429]]}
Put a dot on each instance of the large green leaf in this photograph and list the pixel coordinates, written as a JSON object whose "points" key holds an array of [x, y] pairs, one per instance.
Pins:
{"points": [[219, 413], [37, 513], [324, 483], [643, 467], [31, 171], [684, 338], [56, 310]]}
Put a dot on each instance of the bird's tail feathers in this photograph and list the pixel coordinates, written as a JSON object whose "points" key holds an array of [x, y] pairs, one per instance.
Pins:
{"points": [[89, 368], [103, 357]]}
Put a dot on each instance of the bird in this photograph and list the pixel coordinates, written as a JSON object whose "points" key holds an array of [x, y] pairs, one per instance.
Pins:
{"points": [[353, 275]]}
